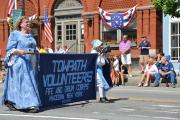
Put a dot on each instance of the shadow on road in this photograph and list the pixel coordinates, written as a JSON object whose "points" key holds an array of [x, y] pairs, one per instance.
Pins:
{"points": [[117, 99]]}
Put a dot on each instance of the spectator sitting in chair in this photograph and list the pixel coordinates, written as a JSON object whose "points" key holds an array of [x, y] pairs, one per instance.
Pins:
{"points": [[166, 71]]}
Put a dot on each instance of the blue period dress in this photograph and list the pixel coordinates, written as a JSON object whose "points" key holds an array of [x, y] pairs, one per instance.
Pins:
{"points": [[20, 85], [101, 81]]}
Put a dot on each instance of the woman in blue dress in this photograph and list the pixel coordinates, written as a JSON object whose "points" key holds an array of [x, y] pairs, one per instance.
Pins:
{"points": [[102, 84], [20, 88]]}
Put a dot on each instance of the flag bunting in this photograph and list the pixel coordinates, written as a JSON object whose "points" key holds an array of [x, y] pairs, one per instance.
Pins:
{"points": [[117, 20]]}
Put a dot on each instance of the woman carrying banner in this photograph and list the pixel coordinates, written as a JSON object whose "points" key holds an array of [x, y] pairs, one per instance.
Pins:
{"points": [[101, 81], [20, 89]]}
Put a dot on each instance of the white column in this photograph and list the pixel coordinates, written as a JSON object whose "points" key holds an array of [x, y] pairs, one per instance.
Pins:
{"points": [[15, 4]]}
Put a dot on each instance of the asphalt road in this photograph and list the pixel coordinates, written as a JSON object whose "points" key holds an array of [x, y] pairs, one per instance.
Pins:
{"points": [[127, 103]]}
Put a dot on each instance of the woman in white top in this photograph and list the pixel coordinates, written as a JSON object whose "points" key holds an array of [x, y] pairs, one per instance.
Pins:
{"points": [[102, 84], [150, 72]]}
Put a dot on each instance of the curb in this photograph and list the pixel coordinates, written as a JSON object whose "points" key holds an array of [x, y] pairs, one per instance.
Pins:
{"points": [[134, 80]]}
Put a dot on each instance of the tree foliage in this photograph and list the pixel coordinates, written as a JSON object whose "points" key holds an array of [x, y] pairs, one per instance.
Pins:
{"points": [[168, 7]]}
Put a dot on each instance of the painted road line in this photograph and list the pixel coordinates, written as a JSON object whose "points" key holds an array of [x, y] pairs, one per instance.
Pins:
{"points": [[141, 116], [96, 112], [51, 117], [165, 118], [171, 112], [167, 106], [127, 109], [154, 100]]}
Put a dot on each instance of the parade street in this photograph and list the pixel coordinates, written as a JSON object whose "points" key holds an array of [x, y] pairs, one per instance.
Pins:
{"points": [[127, 103]]}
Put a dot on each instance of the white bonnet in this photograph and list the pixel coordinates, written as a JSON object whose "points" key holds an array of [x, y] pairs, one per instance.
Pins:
{"points": [[96, 43]]}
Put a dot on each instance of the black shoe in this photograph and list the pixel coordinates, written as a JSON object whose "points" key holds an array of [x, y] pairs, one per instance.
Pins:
{"points": [[10, 105], [142, 72], [32, 110], [103, 100]]}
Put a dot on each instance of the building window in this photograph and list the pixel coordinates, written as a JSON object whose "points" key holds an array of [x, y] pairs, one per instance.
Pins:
{"points": [[131, 31], [82, 31], [132, 36], [71, 32], [59, 33], [175, 40], [108, 34]]}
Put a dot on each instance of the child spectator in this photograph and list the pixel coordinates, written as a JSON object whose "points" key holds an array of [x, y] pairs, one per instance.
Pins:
{"points": [[123, 73], [115, 71], [118, 72]]}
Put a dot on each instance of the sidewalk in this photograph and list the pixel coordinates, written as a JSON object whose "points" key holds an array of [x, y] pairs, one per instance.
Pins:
{"points": [[133, 81]]}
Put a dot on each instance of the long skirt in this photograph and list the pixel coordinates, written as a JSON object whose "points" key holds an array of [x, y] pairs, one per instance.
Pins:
{"points": [[101, 81], [20, 85]]}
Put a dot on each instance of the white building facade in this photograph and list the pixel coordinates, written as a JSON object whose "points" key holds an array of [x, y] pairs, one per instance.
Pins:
{"points": [[171, 40]]}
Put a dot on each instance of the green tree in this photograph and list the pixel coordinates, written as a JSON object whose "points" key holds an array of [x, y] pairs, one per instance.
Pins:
{"points": [[168, 7]]}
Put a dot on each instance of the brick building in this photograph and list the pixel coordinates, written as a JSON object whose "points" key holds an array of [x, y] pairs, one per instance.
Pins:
{"points": [[76, 23]]}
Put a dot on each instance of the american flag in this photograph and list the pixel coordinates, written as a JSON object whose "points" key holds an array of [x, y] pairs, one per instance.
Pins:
{"points": [[11, 6], [47, 27], [117, 20]]}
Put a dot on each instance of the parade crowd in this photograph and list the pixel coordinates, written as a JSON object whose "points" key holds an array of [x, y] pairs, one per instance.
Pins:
{"points": [[20, 90]]}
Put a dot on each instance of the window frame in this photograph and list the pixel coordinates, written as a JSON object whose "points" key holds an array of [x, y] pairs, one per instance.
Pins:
{"points": [[171, 47]]}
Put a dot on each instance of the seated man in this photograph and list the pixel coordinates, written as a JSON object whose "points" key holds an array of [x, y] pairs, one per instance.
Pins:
{"points": [[166, 70]]}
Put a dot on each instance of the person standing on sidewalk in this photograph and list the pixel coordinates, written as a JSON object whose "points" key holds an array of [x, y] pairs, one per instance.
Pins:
{"points": [[144, 47], [125, 50]]}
